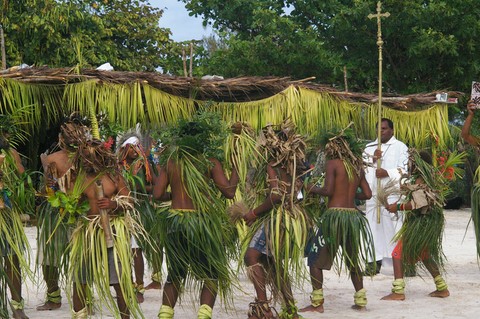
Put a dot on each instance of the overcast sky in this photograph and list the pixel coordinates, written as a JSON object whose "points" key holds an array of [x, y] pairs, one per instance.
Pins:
{"points": [[183, 26]]}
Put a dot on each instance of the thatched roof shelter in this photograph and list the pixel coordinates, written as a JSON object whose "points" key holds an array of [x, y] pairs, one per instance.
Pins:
{"points": [[239, 89], [153, 99]]}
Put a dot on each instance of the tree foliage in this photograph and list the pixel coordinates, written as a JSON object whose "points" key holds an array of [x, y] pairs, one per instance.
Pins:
{"points": [[428, 45], [84, 33]]}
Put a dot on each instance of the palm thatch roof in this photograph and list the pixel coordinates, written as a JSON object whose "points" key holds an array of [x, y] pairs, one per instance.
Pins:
{"points": [[239, 89], [46, 95]]}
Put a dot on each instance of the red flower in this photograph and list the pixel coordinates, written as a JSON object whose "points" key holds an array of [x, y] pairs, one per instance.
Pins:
{"points": [[108, 143]]}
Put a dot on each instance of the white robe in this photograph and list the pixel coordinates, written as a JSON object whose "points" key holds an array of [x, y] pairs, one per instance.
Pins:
{"points": [[395, 162]]}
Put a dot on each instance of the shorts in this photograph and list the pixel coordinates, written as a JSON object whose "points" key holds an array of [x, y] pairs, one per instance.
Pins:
{"points": [[259, 241], [397, 253], [85, 276], [318, 254]]}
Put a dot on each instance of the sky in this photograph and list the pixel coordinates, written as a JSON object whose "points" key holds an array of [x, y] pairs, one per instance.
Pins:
{"points": [[182, 26]]}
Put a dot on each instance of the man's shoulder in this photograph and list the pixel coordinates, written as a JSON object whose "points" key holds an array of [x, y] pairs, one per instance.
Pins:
{"points": [[397, 142], [336, 163], [58, 155]]}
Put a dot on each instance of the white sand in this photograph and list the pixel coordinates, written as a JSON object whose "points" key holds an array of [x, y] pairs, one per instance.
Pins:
{"points": [[463, 278]]}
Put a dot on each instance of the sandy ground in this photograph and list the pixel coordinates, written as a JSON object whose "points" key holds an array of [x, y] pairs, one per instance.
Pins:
{"points": [[463, 278]]}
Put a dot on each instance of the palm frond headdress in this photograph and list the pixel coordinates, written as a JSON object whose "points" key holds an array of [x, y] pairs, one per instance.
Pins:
{"points": [[285, 147], [344, 145], [436, 185], [89, 153], [204, 134]]}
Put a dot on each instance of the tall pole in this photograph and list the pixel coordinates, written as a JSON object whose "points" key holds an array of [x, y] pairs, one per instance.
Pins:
{"points": [[379, 16]]}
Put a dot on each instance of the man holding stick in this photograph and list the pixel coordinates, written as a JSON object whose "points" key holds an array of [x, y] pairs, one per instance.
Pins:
{"points": [[99, 189], [394, 157]]}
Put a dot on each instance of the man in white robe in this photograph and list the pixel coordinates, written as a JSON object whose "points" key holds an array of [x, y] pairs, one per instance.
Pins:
{"points": [[394, 161]]}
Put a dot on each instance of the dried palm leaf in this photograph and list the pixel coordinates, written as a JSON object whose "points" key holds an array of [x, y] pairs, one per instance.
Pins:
{"points": [[237, 212], [391, 188]]}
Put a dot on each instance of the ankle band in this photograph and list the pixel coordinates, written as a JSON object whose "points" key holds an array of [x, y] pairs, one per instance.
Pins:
{"points": [[317, 297], [166, 312], [440, 283], [81, 314], [360, 297], [398, 286], [54, 296], [17, 305], [205, 312]]}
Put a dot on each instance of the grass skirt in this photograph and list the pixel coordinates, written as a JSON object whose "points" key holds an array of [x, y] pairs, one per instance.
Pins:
{"points": [[199, 247], [349, 229], [13, 241], [89, 261], [149, 243], [422, 234], [52, 238]]}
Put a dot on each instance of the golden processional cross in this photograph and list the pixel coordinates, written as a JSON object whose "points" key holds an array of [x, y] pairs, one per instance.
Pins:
{"points": [[379, 15]]}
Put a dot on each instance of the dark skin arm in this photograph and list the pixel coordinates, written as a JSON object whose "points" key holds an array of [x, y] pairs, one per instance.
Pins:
{"points": [[466, 135], [379, 172], [227, 187], [160, 185], [329, 184], [270, 201], [366, 192], [18, 162]]}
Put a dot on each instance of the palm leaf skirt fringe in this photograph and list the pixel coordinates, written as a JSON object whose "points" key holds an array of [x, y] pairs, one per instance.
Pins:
{"points": [[421, 236], [349, 229], [52, 238], [89, 261], [199, 247]]}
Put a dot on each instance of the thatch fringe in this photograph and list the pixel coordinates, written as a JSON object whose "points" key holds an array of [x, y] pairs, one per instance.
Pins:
{"points": [[240, 89], [153, 100]]}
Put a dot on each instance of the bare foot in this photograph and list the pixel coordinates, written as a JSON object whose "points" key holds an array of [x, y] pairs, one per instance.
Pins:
{"points": [[154, 285], [394, 296], [140, 298], [440, 294], [359, 308], [311, 308], [48, 305], [19, 314]]}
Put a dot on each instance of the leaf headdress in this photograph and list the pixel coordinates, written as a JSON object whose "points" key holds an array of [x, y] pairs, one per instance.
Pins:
{"points": [[344, 145], [204, 134], [285, 147]]}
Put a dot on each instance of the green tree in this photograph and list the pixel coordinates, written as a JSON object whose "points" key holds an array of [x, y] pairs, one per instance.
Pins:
{"points": [[85, 33], [428, 45], [258, 38]]}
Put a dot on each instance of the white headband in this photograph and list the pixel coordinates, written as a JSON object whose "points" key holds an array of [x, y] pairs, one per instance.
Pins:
{"points": [[131, 140]]}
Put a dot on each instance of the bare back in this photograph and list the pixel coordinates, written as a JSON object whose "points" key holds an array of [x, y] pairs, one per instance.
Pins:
{"points": [[171, 174], [180, 198], [342, 191]]}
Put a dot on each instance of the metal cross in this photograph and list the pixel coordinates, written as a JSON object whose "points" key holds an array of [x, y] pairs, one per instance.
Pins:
{"points": [[379, 15]]}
